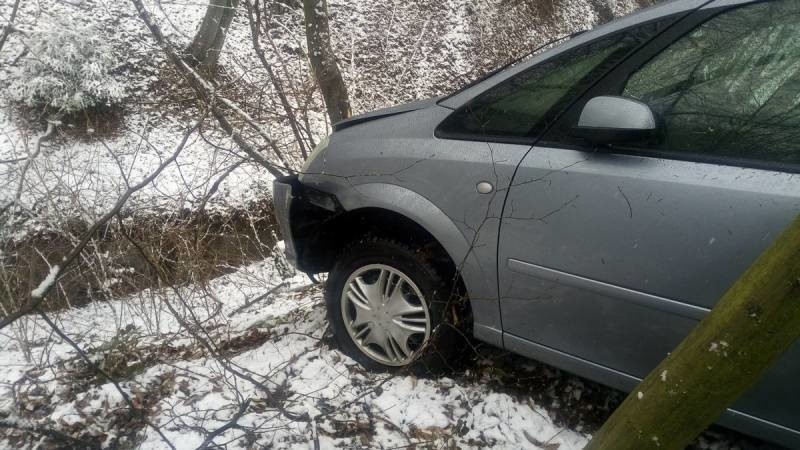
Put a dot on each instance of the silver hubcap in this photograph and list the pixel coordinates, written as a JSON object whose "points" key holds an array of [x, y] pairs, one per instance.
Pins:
{"points": [[385, 314]]}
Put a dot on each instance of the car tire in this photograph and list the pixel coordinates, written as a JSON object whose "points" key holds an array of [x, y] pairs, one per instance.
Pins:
{"points": [[357, 301]]}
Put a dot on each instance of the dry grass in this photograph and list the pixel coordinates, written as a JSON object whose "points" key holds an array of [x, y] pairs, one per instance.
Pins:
{"points": [[188, 246]]}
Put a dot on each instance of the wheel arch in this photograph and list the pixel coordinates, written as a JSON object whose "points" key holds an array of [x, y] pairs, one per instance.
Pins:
{"points": [[339, 231], [401, 214]]}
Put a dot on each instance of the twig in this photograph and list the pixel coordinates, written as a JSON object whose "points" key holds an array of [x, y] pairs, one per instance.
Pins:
{"points": [[35, 298], [105, 375], [255, 20], [51, 128], [206, 342], [230, 424], [49, 432], [259, 298], [218, 182], [209, 94], [9, 27]]}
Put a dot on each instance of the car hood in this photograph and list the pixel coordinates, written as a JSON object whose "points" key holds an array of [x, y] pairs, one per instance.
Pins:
{"points": [[385, 112]]}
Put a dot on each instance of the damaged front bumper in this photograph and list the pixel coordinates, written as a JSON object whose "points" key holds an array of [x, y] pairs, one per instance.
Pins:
{"points": [[282, 189], [302, 213]]}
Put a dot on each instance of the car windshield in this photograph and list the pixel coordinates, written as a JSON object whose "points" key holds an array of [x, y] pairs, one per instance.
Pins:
{"points": [[514, 62]]}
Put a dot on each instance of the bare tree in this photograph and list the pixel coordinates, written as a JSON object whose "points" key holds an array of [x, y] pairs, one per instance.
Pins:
{"points": [[210, 37], [323, 60], [208, 93]]}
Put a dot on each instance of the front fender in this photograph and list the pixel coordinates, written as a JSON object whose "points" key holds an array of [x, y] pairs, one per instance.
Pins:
{"points": [[416, 207], [412, 205]]}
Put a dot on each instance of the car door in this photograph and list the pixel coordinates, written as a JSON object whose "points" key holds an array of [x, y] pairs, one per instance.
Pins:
{"points": [[484, 141], [608, 257]]}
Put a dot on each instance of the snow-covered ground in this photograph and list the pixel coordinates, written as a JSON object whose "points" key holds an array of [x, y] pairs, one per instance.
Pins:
{"points": [[280, 342], [81, 172], [83, 179], [273, 353]]}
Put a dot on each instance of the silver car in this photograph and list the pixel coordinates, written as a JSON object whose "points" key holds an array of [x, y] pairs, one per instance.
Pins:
{"points": [[592, 202]]}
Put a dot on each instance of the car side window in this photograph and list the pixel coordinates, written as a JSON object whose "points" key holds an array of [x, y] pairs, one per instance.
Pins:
{"points": [[731, 87], [521, 105]]}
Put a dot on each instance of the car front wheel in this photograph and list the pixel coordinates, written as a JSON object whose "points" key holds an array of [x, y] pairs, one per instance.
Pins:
{"points": [[386, 305]]}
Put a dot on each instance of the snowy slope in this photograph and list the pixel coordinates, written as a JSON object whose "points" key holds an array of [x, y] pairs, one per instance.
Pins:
{"points": [[390, 52]]}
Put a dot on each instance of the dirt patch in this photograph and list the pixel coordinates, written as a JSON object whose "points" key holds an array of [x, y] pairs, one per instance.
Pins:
{"points": [[187, 246], [572, 402], [118, 427], [98, 122]]}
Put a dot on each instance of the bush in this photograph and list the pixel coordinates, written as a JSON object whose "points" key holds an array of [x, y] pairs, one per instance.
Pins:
{"points": [[67, 69]]}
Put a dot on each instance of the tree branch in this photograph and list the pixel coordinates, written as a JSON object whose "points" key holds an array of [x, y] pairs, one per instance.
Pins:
{"points": [[49, 432], [36, 297], [208, 93], [231, 423]]}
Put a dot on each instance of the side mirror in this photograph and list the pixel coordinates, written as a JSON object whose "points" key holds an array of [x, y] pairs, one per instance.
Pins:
{"points": [[616, 120]]}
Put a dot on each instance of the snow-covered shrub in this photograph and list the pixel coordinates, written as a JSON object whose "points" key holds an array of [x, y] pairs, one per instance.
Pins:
{"points": [[67, 69]]}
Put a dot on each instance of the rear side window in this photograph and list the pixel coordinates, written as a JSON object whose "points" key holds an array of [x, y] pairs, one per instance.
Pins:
{"points": [[522, 105], [731, 87]]}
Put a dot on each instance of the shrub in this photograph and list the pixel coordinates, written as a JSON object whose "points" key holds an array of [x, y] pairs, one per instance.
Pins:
{"points": [[67, 69]]}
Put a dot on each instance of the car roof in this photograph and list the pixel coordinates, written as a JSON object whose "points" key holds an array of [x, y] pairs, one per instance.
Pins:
{"points": [[651, 13]]}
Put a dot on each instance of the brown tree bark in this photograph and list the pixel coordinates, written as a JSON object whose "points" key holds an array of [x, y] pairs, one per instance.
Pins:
{"points": [[756, 320], [323, 60], [210, 37]]}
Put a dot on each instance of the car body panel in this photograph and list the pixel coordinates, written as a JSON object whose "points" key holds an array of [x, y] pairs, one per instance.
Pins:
{"points": [[628, 253], [599, 263], [731, 418], [395, 163]]}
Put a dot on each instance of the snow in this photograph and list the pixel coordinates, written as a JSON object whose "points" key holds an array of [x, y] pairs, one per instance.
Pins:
{"points": [[421, 51], [67, 67], [317, 380], [82, 177], [719, 347], [314, 379], [46, 283]]}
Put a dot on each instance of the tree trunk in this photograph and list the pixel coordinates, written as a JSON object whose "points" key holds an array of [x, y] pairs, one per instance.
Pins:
{"points": [[323, 60], [756, 320], [210, 38]]}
